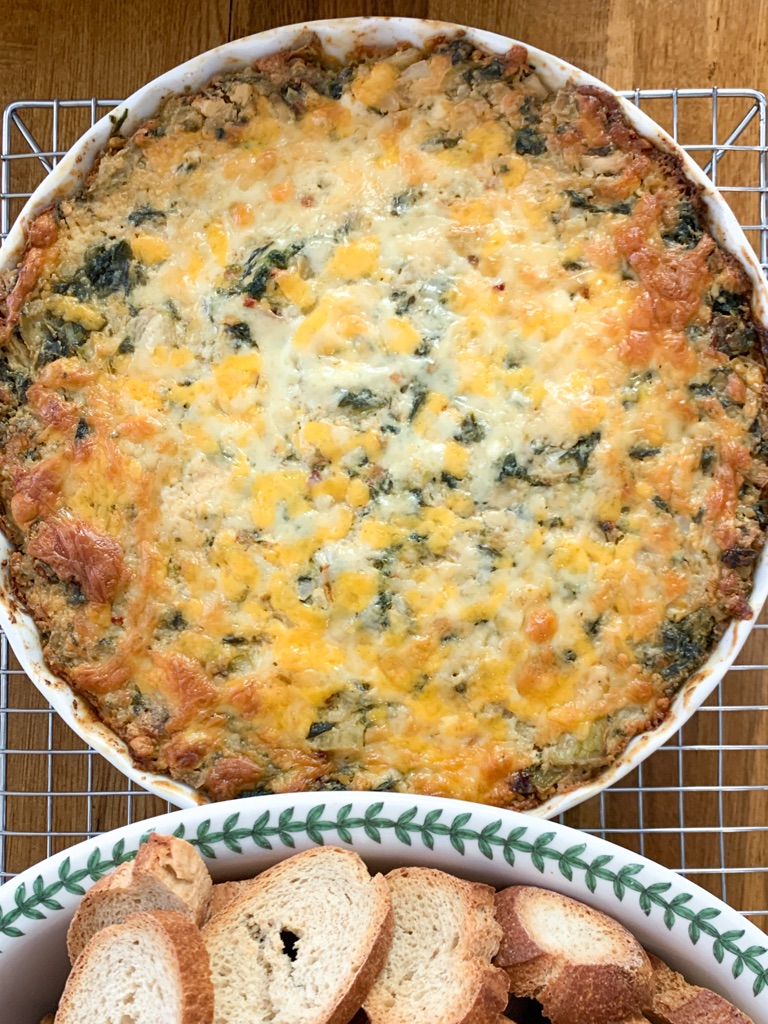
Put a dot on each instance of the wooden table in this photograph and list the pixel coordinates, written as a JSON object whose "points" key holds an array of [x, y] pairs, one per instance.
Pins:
{"points": [[107, 49]]}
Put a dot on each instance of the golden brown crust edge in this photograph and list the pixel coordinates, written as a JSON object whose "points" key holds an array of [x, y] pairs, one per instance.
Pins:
{"points": [[571, 991], [187, 948], [611, 104], [484, 987], [78, 933], [193, 963], [381, 927], [674, 1001], [222, 894], [163, 861], [492, 996], [356, 995]]}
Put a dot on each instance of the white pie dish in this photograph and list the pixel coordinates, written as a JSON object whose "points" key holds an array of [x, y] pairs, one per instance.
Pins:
{"points": [[340, 36], [696, 933]]}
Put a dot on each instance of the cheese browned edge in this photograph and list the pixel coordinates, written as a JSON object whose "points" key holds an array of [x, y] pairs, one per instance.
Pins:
{"points": [[393, 425]]}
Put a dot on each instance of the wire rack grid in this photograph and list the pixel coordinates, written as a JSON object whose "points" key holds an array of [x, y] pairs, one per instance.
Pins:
{"points": [[699, 805]]}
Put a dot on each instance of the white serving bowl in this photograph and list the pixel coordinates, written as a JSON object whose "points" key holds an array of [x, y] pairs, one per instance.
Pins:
{"points": [[340, 37], [693, 931]]}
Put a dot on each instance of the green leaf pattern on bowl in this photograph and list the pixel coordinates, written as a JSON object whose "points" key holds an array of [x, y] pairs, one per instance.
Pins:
{"points": [[407, 829]]}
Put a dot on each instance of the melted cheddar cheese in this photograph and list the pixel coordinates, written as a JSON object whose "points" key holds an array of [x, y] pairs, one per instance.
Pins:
{"points": [[394, 425]]}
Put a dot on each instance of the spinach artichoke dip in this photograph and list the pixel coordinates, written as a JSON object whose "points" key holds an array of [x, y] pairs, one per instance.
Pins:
{"points": [[388, 425]]}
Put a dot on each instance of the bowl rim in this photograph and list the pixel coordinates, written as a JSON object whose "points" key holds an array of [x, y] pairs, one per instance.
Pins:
{"points": [[502, 847], [341, 35]]}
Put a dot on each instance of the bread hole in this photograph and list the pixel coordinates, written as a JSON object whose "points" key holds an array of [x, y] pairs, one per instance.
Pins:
{"points": [[525, 1011], [289, 940]]}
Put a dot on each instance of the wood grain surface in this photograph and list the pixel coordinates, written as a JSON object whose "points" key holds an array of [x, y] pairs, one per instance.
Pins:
{"points": [[107, 48]]}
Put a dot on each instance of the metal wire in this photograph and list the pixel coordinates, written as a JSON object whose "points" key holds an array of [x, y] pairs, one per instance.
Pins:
{"points": [[699, 805]]}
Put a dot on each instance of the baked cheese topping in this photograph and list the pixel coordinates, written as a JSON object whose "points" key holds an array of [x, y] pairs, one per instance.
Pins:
{"points": [[394, 425]]}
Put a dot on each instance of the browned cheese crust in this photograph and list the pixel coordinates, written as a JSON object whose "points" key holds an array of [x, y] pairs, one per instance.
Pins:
{"points": [[394, 425]]}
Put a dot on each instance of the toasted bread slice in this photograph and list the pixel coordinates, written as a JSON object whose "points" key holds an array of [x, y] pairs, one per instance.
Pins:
{"points": [[301, 943], [152, 967], [674, 1001], [166, 874], [222, 894], [582, 966], [439, 967]]}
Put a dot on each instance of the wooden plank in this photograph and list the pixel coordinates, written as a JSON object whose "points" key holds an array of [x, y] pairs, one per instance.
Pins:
{"points": [[628, 43], [100, 47]]}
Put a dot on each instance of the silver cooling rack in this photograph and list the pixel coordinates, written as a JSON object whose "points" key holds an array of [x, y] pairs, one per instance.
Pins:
{"points": [[698, 805]]}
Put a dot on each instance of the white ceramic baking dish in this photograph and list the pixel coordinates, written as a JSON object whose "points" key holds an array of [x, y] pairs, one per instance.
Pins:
{"points": [[340, 37], [707, 941]]}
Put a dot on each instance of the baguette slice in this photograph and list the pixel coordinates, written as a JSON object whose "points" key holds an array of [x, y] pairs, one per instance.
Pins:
{"points": [[222, 895], [674, 1001], [582, 966], [151, 968], [166, 874], [439, 967], [302, 943]]}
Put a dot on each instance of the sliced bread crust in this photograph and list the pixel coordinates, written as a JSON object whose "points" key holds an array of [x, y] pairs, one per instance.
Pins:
{"points": [[674, 1001], [151, 967], [439, 966], [166, 874], [582, 966], [222, 894], [302, 943]]}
